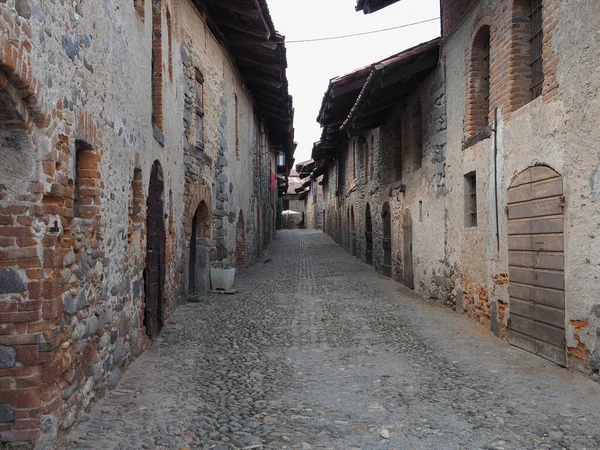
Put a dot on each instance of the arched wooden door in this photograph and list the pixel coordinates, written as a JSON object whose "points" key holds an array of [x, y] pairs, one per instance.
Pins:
{"points": [[536, 263], [368, 236], [240, 242], [386, 266], [409, 277], [155, 253], [199, 250]]}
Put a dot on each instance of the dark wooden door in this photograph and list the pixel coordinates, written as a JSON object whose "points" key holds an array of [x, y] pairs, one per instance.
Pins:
{"points": [[368, 236], [536, 263], [386, 266], [155, 253], [409, 277]]}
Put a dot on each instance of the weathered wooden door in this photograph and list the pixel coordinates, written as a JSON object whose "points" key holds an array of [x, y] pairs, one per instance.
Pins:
{"points": [[536, 263], [368, 236], [409, 277], [155, 253], [386, 266]]}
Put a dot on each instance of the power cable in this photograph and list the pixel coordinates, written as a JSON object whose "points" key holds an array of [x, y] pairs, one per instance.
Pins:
{"points": [[330, 38]]}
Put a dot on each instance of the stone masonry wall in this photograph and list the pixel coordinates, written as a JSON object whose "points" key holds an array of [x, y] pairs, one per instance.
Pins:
{"points": [[77, 148], [423, 179]]}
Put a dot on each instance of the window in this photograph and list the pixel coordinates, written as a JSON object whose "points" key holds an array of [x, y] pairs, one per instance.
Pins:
{"points": [[420, 210], [536, 48], [478, 88], [396, 151], [170, 43], [416, 133], [286, 205], [237, 126], [471, 200], [199, 110], [157, 75], [86, 183]]}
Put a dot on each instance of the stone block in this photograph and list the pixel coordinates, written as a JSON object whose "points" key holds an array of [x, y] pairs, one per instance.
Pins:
{"points": [[7, 415], [114, 378], [8, 357], [11, 282]]}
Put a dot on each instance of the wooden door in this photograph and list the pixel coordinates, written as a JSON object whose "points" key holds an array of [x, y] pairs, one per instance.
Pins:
{"points": [[409, 278], [536, 263], [155, 253], [368, 236], [386, 266]]}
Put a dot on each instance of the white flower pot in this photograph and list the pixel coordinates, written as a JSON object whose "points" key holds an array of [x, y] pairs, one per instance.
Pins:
{"points": [[222, 279]]}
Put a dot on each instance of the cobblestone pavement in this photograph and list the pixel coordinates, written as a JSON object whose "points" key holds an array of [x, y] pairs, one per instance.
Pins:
{"points": [[316, 350]]}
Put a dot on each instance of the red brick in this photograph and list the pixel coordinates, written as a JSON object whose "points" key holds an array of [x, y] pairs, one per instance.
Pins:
{"points": [[20, 435], [22, 398], [28, 354]]}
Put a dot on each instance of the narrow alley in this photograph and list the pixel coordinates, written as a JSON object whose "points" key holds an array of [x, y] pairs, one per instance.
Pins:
{"points": [[317, 350]]}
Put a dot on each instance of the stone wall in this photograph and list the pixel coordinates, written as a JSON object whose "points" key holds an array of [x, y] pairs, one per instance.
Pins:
{"points": [[421, 187], [79, 137]]}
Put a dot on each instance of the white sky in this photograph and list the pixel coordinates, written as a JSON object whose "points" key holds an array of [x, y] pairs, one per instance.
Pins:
{"points": [[312, 65]]}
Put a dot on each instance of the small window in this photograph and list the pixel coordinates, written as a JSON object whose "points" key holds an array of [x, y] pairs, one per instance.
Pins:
{"points": [[416, 133], [237, 126], [420, 210], [536, 48], [199, 110], [170, 43], [471, 200], [396, 151]]}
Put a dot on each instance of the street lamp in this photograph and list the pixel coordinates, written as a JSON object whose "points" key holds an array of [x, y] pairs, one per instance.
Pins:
{"points": [[280, 159]]}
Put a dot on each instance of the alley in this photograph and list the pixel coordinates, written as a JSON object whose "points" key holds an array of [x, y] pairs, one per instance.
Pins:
{"points": [[317, 350]]}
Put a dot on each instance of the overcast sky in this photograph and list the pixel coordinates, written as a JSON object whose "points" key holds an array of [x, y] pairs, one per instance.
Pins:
{"points": [[312, 65]]}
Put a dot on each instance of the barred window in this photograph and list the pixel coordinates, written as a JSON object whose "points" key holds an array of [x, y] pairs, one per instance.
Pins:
{"points": [[536, 48]]}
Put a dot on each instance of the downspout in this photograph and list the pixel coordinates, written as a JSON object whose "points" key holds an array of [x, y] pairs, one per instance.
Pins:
{"points": [[496, 181]]}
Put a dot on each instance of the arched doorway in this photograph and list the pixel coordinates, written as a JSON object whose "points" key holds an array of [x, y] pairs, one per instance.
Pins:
{"points": [[536, 263], [199, 250], [409, 277], [386, 266], [154, 273], [368, 236], [352, 232], [240, 242]]}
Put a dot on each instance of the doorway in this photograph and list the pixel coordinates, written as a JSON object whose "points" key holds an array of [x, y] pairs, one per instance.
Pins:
{"points": [[409, 277], [368, 236], [154, 273], [199, 250], [240, 242], [536, 263], [386, 266]]}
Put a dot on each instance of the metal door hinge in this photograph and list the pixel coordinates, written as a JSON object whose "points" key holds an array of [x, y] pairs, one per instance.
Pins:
{"points": [[561, 201]]}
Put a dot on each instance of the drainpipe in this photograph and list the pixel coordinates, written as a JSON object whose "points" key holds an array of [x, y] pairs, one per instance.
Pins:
{"points": [[496, 181]]}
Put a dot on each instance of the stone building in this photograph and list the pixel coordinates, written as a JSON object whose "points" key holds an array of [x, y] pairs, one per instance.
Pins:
{"points": [[499, 219], [291, 202], [138, 147]]}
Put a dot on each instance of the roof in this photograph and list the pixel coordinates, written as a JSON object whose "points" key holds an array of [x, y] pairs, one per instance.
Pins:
{"points": [[363, 98], [389, 82], [370, 6], [245, 27]]}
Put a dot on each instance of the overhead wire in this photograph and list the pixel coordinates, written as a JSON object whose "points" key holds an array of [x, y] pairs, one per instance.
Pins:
{"points": [[344, 36]]}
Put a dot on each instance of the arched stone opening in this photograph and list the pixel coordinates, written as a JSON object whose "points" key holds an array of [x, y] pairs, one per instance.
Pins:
{"points": [[240, 242], [199, 261], [368, 235]]}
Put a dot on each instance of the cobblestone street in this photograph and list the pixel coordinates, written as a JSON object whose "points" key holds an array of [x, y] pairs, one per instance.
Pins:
{"points": [[317, 350]]}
